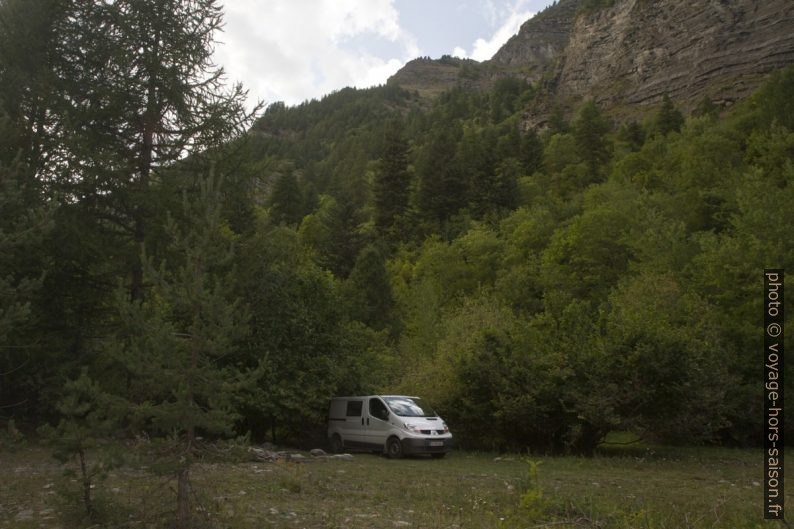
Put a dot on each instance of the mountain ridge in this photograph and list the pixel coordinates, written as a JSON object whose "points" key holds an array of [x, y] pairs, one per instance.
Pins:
{"points": [[630, 53]]}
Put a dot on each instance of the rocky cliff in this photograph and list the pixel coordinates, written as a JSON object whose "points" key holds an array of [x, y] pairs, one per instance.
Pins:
{"points": [[637, 50], [630, 54], [541, 39], [429, 76]]}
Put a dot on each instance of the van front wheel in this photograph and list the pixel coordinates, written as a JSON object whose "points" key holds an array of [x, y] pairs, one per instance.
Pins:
{"points": [[336, 444], [394, 448]]}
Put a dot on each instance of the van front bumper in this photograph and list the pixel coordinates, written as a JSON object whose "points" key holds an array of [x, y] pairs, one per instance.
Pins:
{"points": [[426, 445]]}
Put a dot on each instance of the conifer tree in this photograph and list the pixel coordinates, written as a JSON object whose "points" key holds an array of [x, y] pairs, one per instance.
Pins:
{"points": [[669, 118], [633, 135], [176, 343], [531, 152], [589, 130], [286, 201], [87, 414], [442, 185], [137, 91], [392, 179], [25, 221]]}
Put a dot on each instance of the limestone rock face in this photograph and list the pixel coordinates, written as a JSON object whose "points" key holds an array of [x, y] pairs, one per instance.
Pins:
{"points": [[638, 50], [430, 77], [631, 54], [541, 39]]}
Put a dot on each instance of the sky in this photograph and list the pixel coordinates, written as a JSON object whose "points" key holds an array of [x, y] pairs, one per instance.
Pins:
{"points": [[296, 50]]}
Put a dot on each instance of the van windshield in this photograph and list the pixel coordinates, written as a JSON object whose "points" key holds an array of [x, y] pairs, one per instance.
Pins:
{"points": [[408, 407]]}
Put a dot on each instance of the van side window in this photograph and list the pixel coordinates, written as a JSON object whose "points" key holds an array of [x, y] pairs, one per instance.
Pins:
{"points": [[378, 409], [354, 408]]}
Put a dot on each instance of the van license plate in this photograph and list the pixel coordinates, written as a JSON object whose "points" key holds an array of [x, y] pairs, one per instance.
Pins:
{"points": [[436, 443]]}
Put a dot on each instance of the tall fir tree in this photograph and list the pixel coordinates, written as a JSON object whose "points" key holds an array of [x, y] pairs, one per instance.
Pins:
{"points": [[175, 346], [589, 131], [113, 106], [286, 200], [24, 225], [138, 91], [25, 217], [392, 180], [531, 152], [668, 118], [442, 189]]}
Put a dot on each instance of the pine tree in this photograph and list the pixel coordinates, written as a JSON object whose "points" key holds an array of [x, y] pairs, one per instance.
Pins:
{"points": [[137, 92], [391, 186], [25, 222], [286, 201], [176, 344], [589, 131], [442, 184], [633, 134], [669, 118], [531, 152], [87, 415]]}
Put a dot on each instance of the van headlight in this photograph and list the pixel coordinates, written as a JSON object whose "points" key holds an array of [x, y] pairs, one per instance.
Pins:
{"points": [[412, 428]]}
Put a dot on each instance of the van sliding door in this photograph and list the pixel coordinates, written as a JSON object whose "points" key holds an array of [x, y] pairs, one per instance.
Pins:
{"points": [[377, 423]]}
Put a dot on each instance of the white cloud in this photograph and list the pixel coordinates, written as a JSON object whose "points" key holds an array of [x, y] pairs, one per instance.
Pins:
{"points": [[511, 20], [293, 50]]}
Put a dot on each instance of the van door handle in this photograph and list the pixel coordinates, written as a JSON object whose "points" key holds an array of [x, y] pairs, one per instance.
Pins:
{"points": [[362, 421]]}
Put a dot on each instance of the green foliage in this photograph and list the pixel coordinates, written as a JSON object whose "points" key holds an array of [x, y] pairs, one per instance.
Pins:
{"points": [[531, 152], [368, 290], [669, 118], [442, 184], [589, 130], [391, 188], [706, 108], [770, 103], [667, 341], [633, 135], [175, 346], [334, 234], [586, 258], [300, 333], [286, 200], [87, 415], [533, 505], [25, 224]]}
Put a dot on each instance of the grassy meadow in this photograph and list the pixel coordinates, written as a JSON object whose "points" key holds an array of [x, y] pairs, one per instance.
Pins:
{"points": [[637, 487]]}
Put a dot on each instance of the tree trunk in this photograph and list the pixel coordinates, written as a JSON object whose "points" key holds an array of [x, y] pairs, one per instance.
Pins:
{"points": [[183, 499], [89, 509]]}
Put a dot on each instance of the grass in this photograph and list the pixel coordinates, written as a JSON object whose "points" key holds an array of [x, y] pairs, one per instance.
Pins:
{"points": [[625, 487]]}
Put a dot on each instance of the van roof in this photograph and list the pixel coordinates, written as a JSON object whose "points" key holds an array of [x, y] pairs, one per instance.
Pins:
{"points": [[370, 396]]}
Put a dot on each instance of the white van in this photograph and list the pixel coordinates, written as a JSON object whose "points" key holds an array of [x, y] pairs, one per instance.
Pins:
{"points": [[393, 424]]}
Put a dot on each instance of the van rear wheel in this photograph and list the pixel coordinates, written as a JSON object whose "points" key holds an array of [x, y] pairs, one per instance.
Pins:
{"points": [[336, 444], [394, 448]]}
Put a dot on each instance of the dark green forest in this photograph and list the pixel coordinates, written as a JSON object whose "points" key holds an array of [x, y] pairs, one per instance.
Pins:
{"points": [[175, 267]]}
